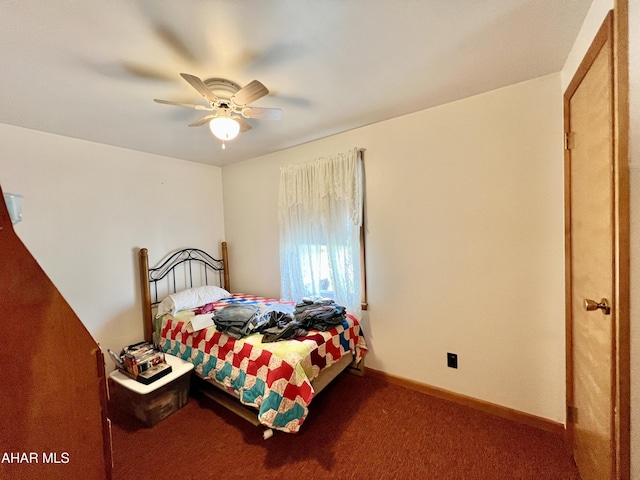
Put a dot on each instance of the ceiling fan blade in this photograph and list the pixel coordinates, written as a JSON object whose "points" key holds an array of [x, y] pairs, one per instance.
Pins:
{"points": [[173, 41], [203, 121], [244, 125], [146, 72], [180, 104], [199, 85], [250, 93], [266, 113]]}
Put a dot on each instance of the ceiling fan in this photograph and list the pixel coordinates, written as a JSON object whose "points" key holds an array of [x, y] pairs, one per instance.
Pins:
{"points": [[228, 104]]}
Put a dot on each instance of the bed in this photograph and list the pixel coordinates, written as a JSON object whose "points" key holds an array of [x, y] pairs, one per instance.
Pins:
{"points": [[270, 384]]}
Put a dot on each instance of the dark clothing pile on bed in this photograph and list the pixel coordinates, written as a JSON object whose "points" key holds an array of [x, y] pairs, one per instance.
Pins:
{"points": [[240, 320], [280, 326], [323, 314], [308, 315], [237, 320]]}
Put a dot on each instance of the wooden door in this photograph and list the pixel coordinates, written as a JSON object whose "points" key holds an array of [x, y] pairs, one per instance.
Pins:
{"points": [[592, 214], [53, 399]]}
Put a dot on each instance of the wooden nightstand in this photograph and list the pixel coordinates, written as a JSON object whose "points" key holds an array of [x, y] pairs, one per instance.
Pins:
{"points": [[156, 401]]}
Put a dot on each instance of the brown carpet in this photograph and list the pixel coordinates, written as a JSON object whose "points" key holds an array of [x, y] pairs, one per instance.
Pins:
{"points": [[357, 428]]}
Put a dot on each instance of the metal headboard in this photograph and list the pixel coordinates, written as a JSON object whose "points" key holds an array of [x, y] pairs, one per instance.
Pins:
{"points": [[192, 262]]}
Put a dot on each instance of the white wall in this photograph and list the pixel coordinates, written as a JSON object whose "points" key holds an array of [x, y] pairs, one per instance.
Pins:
{"points": [[464, 242], [89, 207]]}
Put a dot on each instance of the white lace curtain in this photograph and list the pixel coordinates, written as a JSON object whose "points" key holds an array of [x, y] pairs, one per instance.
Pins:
{"points": [[320, 214]]}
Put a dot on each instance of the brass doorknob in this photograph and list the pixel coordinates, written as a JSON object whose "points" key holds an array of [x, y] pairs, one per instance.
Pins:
{"points": [[590, 305]]}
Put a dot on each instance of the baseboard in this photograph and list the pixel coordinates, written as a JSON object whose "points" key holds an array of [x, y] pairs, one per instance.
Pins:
{"points": [[486, 407]]}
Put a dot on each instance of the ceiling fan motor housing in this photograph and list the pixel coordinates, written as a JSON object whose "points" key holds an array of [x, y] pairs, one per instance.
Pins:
{"points": [[222, 87]]}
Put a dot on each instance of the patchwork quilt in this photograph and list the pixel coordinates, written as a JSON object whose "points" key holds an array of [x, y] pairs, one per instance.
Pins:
{"points": [[275, 378]]}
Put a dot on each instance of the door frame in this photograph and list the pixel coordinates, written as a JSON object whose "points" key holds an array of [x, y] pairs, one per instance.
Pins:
{"points": [[614, 28]]}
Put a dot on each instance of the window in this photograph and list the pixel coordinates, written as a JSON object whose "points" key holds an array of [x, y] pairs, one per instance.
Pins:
{"points": [[320, 229]]}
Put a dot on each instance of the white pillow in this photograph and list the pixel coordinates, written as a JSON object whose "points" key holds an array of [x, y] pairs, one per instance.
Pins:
{"points": [[191, 298]]}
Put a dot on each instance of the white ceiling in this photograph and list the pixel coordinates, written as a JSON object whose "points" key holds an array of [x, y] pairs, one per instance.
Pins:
{"points": [[90, 69]]}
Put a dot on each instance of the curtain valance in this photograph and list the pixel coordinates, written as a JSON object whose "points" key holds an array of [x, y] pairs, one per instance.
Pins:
{"points": [[312, 186]]}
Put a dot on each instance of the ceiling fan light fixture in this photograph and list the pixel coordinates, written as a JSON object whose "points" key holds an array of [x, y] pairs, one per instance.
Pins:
{"points": [[224, 128]]}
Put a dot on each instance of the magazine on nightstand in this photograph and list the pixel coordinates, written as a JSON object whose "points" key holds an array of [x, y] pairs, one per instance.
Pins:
{"points": [[154, 373], [142, 361]]}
